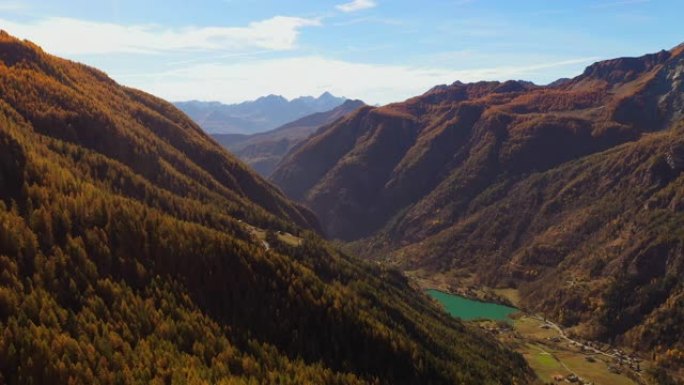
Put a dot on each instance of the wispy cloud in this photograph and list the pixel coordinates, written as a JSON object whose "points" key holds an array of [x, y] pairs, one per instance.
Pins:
{"points": [[356, 5], [67, 36], [374, 83]]}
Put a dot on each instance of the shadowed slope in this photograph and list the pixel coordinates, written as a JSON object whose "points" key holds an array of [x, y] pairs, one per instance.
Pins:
{"points": [[524, 186]]}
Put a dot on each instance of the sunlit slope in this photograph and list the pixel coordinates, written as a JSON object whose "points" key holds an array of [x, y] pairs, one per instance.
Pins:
{"points": [[569, 192], [125, 257]]}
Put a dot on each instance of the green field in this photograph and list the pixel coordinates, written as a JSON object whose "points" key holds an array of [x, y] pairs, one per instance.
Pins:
{"points": [[549, 359], [543, 362]]}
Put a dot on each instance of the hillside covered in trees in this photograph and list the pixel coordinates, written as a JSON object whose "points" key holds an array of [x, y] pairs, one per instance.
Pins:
{"points": [[570, 193], [125, 257]]}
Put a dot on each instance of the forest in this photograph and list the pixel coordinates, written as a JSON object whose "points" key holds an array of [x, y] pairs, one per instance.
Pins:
{"points": [[125, 258]]}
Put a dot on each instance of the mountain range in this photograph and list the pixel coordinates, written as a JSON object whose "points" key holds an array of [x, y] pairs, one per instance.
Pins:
{"points": [[570, 194], [263, 114], [263, 151], [135, 249]]}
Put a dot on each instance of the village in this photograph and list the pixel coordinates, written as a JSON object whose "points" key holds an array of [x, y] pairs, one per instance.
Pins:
{"points": [[557, 358]]}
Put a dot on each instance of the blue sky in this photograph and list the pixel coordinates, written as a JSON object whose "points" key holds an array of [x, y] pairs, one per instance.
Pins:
{"points": [[376, 50]]}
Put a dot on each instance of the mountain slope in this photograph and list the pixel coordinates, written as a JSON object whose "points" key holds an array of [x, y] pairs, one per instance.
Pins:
{"points": [[541, 188], [263, 151], [262, 114], [128, 255]]}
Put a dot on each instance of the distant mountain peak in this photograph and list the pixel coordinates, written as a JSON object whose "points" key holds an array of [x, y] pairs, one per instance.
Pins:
{"points": [[352, 102], [559, 82], [259, 115], [327, 96], [625, 69], [678, 50], [263, 151], [272, 97]]}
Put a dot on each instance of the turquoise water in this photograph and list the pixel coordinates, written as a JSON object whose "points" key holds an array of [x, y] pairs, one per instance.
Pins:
{"points": [[468, 309]]}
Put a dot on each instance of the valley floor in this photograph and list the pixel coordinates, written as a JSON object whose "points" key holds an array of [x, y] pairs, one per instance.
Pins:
{"points": [[554, 356], [557, 358]]}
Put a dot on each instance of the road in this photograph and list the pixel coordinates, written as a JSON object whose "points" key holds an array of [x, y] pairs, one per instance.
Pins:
{"points": [[580, 344], [562, 334]]}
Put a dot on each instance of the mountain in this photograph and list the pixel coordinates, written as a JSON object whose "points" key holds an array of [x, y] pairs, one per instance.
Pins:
{"points": [[134, 249], [569, 193], [262, 114], [263, 151]]}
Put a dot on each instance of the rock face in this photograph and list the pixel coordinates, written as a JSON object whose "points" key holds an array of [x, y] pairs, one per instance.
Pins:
{"points": [[520, 185]]}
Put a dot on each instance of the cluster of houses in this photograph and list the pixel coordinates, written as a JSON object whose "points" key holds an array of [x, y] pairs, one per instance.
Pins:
{"points": [[572, 379], [622, 359], [555, 339], [498, 328]]}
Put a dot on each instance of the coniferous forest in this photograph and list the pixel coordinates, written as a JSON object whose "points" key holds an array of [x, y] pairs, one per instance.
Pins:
{"points": [[126, 257]]}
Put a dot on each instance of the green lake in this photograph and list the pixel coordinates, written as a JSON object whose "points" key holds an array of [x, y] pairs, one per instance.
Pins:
{"points": [[468, 309]]}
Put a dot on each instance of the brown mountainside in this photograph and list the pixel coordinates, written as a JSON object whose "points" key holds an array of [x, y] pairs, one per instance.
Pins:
{"points": [[130, 254], [570, 192]]}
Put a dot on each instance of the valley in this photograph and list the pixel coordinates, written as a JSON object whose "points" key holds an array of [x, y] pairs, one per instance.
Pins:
{"points": [[135, 249], [499, 202], [565, 197], [560, 200], [554, 356], [263, 151]]}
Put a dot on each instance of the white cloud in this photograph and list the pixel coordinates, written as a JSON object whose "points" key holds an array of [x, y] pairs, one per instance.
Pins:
{"points": [[67, 36], [356, 5], [312, 75], [228, 63]]}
